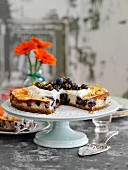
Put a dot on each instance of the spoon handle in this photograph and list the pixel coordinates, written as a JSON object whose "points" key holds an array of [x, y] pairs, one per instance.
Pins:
{"points": [[109, 135]]}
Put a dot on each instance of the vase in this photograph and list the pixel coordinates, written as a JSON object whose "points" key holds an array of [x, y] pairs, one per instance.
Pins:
{"points": [[33, 78]]}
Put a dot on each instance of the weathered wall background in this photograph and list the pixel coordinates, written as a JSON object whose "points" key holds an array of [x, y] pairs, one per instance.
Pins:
{"points": [[97, 41]]}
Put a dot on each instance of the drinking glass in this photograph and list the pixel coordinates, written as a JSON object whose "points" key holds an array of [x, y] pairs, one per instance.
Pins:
{"points": [[102, 124]]}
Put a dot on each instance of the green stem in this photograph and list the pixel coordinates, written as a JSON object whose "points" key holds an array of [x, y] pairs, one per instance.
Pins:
{"points": [[31, 71], [36, 64], [40, 63]]}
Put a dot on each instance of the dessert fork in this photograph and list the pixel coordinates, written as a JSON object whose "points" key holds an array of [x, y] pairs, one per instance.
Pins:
{"points": [[92, 149]]}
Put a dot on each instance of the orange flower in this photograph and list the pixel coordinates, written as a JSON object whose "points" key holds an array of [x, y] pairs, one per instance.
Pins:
{"points": [[1, 111], [39, 43], [45, 57], [24, 48]]}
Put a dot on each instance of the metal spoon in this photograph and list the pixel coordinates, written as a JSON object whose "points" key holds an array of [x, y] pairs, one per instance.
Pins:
{"points": [[92, 149]]}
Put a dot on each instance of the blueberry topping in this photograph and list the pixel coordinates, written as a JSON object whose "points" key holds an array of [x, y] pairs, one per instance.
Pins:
{"points": [[74, 86], [45, 88], [59, 81], [57, 89], [64, 80], [68, 80], [67, 86], [50, 88], [84, 86], [42, 87], [37, 84]]}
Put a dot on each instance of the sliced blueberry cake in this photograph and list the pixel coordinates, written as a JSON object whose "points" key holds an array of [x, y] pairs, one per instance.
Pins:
{"points": [[11, 123], [46, 97]]}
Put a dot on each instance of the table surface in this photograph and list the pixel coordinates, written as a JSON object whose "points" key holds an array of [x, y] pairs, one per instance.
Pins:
{"points": [[20, 152]]}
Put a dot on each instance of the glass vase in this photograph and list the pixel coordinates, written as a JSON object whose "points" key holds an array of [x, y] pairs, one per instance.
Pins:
{"points": [[33, 78]]}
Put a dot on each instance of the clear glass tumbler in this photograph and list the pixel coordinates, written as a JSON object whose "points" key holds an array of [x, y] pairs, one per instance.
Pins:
{"points": [[102, 124]]}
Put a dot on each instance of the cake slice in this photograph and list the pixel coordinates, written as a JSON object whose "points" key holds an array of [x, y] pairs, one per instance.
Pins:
{"points": [[45, 97], [11, 123], [33, 99]]}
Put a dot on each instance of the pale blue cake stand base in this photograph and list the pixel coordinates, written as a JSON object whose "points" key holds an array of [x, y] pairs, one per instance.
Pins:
{"points": [[61, 136]]}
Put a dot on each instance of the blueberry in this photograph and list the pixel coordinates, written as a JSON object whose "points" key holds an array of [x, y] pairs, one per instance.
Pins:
{"points": [[74, 86], [84, 102], [64, 80], [68, 80], [42, 87], [21, 126], [37, 84], [57, 101], [69, 86], [57, 89], [91, 104], [59, 81], [28, 104], [64, 87], [15, 123], [46, 106], [38, 103], [50, 88], [45, 87], [84, 86], [78, 98]]}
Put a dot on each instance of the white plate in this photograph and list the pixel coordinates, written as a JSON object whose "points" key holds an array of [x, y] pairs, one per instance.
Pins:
{"points": [[40, 126], [62, 113]]}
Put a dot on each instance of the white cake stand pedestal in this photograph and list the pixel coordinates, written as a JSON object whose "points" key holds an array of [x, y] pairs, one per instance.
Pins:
{"points": [[61, 135]]}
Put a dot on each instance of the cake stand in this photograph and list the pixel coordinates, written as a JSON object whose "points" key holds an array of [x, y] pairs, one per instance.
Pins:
{"points": [[61, 135]]}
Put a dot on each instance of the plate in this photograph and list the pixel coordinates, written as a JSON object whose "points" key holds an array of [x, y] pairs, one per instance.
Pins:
{"points": [[40, 126], [120, 114], [123, 104], [63, 113]]}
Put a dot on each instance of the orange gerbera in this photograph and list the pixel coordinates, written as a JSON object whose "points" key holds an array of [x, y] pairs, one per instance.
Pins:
{"points": [[25, 48], [1, 111], [45, 57], [40, 43]]}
